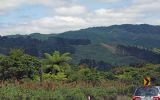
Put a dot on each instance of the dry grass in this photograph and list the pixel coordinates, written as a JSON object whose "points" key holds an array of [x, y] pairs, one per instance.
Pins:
{"points": [[52, 85], [105, 85], [123, 98]]}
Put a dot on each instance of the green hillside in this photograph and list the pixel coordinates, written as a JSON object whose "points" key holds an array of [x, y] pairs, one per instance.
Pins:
{"points": [[144, 35], [133, 35], [101, 53], [103, 42]]}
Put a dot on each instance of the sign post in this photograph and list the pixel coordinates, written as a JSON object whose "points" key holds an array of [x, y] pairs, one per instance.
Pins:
{"points": [[147, 81]]}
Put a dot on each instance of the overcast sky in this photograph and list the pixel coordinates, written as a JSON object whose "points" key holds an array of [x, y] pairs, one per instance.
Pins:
{"points": [[55, 16]]}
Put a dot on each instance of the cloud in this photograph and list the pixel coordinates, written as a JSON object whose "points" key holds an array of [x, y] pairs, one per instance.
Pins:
{"points": [[59, 21], [71, 16], [7, 5], [71, 11], [109, 1], [46, 25]]}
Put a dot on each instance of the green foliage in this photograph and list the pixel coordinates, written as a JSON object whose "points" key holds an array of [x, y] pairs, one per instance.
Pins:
{"points": [[56, 57], [48, 76], [83, 80], [109, 76], [52, 77], [18, 65], [89, 75], [58, 65]]}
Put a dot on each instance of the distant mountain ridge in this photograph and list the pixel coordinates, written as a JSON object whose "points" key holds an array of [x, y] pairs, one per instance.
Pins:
{"points": [[124, 34], [33, 35], [95, 42]]}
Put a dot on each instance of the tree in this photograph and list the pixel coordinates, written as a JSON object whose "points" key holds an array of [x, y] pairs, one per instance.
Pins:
{"points": [[18, 65], [57, 64]]}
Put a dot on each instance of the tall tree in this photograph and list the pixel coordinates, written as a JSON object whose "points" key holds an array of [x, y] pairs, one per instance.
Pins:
{"points": [[57, 64]]}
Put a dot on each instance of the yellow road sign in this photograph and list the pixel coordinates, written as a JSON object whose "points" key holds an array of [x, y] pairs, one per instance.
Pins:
{"points": [[147, 81]]}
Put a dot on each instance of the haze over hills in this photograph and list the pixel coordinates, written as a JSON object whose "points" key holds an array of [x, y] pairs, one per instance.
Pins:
{"points": [[96, 43]]}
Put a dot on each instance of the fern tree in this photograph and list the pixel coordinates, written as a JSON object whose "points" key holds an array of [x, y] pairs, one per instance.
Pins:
{"points": [[57, 65]]}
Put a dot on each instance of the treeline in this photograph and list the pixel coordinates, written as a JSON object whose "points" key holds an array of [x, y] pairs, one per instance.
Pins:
{"points": [[141, 53], [36, 47], [98, 65]]}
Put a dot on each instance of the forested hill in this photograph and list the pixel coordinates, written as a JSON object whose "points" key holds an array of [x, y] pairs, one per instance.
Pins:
{"points": [[33, 35], [144, 35], [96, 44]]}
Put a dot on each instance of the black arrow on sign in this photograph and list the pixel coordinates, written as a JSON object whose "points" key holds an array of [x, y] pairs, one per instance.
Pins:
{"points": [[147, 81]]}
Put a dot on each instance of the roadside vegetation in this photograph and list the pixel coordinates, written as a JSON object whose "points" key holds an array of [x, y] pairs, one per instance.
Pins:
{"points": [[53, 77]]}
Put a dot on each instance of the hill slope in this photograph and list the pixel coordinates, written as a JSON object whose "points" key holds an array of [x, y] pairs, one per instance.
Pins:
{"points": [[144, 35], [100, 42]]}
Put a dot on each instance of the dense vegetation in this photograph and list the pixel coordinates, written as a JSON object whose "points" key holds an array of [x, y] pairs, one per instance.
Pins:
{"points": [[53, 77], [139, 52], [100, 65], [36, 47]]}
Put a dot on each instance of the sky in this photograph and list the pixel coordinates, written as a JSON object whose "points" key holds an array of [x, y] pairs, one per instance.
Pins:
{"points": [[56, 16]]}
